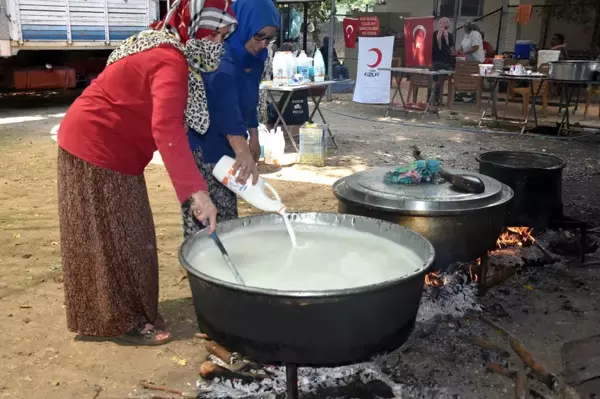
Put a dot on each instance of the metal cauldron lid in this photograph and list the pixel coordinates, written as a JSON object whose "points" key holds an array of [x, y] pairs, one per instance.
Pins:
{"points": [[368, 189]]}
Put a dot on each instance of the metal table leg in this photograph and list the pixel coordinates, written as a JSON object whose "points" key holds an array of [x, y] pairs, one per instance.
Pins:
{"points": [[430, 100], [489, 101], [494, 96], [577, 99], [280, 117], [565, 123], [533, 94], [317, 102], [398, 78], [401, 75]]}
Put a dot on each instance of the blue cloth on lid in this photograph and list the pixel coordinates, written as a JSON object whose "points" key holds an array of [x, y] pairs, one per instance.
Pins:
{"points": [[414, 173], [232, 91]]}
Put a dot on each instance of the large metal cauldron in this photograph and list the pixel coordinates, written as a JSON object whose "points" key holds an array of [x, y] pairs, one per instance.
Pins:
{"points": [[575, 71], [461, 226], [536, 179], [309, 328]]}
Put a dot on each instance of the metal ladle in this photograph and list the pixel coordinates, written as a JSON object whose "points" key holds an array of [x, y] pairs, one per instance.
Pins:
{"points": [[227, 258]]}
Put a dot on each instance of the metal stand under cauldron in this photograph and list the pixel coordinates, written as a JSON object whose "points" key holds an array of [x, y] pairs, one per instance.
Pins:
{"points": [[291, 380]]}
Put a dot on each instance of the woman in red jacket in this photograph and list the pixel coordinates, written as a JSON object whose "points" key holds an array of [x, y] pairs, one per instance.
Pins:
{"points": [[106, 140]]}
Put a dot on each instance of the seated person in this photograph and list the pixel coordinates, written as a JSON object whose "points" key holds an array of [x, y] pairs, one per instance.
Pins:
{"points": [[558, 43], [488, 48], [340, 71]]}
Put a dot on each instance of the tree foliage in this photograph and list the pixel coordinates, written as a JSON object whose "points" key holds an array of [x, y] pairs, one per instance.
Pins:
{"points": [[319, 11], [584, 12], [580, 11]]}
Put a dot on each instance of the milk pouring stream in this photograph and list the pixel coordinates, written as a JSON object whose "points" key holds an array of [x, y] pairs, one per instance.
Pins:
{"points": [[254, 194]]}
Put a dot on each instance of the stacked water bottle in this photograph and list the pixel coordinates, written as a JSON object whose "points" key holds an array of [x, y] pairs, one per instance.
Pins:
{"points": [[289, 70]]}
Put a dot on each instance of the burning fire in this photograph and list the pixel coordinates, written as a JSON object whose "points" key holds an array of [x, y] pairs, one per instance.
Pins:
{"points": [[434, 278], [472, 275], [512, 236], [518, 236]]}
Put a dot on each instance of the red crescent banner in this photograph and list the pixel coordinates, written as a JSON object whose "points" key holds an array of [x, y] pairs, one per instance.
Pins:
{"points": [[418, 41], [350, 32], [368, 26]]}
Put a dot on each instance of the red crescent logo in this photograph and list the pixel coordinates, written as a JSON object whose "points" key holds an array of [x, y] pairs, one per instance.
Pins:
{"points": [[419, 28], [349, 30], [378, 60]]}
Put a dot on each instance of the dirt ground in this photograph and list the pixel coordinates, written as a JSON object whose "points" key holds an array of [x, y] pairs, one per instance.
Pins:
{"points": [[40, 358]]}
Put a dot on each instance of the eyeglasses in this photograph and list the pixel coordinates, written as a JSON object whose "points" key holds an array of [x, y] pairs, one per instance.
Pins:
{"points": [[261, 37]]}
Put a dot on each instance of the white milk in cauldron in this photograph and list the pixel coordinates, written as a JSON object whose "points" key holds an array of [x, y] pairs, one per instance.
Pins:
{"points": [[327, 258]]}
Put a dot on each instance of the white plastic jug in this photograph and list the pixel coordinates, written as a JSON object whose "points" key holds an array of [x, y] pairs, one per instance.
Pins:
{"points": [[319, 67], [278, 69], [255, 194], [303, 65], [263, 133]]}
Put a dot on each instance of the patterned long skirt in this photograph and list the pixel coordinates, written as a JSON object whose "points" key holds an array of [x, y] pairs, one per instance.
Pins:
{"points": [[224, 199], [108, 247]]}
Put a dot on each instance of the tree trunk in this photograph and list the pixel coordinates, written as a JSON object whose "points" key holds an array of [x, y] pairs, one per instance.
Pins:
{"points": [[545, 25]]}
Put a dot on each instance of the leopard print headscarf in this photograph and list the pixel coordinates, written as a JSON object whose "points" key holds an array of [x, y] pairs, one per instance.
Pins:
{"points": [[186, 27], [197, 53]]}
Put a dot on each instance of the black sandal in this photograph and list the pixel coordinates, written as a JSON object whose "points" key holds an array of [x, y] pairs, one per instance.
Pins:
{"points": [[136, 337]]}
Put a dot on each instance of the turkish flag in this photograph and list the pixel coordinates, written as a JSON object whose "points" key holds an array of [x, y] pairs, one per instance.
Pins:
{"points": [[350, 32], [418, 41]]}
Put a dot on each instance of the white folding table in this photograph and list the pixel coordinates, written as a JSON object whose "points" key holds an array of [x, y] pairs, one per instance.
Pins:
{"points": [[316, 96], [400, 72]]}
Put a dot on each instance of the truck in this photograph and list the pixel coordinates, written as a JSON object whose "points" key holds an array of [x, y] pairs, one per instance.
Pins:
{"points": [[61, 44]]}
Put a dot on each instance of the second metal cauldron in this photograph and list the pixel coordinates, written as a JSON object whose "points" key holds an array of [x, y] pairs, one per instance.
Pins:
{"points": [[317, 328], [536, 179], [462, 227]]}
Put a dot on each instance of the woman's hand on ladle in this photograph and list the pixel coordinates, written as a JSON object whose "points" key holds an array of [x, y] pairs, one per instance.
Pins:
{"points": [[204, 210]]}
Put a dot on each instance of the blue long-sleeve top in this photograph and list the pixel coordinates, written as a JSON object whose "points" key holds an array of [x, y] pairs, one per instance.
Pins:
{"points": [[232, 90], [232, 93]]}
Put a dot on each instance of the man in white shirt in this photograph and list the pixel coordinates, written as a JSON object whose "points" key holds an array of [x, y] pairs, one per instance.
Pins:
{"points": [[472, 43]]}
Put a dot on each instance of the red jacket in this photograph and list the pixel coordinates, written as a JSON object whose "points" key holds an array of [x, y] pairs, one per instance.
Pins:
{"points": [[133, 108]]}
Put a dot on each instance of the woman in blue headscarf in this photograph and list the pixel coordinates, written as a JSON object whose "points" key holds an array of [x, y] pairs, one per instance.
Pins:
{"points": [[232, 93]]}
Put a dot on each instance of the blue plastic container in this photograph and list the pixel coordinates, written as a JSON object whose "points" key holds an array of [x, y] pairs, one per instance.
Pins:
{"points": [[525, 50]]}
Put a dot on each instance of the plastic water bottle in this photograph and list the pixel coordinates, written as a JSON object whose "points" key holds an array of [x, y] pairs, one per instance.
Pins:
{"points": [[278, 147], [278, 69], [319, 67], [255, 194], [263, 133], [291, 66], [267, 143], [303, 64]]}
